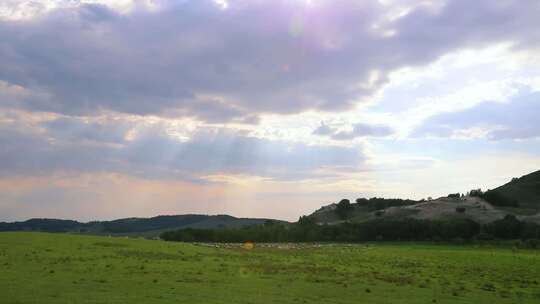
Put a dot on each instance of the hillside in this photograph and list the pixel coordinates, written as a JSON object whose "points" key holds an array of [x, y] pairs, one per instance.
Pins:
{"points": [[139, 226], [363, 209], [523, 193], [525, 190], [443, 208]]}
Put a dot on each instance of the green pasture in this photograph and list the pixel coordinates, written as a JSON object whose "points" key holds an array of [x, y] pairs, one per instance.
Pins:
{"points": [[63, 268]]}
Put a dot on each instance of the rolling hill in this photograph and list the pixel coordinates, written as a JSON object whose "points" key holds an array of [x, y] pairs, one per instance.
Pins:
{"points": [[148, 227]]}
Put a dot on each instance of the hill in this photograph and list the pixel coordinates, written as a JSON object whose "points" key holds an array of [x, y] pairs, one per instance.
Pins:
{"points": [[444, 208], [525, 190], [133, 226], [363, 209], [520, 197]]}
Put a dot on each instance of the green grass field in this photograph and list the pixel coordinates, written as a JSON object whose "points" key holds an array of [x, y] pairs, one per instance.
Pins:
{"points": [[61, 268]]}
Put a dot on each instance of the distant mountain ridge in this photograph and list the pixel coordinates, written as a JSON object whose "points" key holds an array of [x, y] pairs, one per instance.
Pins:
{"points": [[129, 226]]}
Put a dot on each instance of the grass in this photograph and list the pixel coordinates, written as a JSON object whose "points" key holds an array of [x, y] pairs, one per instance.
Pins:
{"points": [[62, 268]]}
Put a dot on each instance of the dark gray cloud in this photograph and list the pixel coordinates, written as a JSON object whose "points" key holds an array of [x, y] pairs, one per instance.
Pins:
{"points": [[76, 146], [515, 119], [73, 129], [219, 151], [191, 58], [24, 153], [358, 130]]}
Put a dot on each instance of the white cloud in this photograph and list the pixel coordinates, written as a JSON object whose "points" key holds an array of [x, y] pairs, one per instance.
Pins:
{"points": [[515, 119]]}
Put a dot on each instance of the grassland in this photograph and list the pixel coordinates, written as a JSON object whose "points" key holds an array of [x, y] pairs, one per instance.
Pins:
{"points": [[62, 268]]}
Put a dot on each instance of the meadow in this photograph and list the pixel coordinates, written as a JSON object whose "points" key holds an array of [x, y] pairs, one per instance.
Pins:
{"points": [[68, 268]]}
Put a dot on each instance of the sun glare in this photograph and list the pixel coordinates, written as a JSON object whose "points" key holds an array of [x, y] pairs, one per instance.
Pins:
{"points": [[223, 4]]}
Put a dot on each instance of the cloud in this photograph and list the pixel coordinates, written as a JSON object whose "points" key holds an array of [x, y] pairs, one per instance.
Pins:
{"points": [[26, 154], [221, 151], [197, 59], [324, 130], [358, 130], [88, 89], [515, 119], [72, 129], [78, 146]]}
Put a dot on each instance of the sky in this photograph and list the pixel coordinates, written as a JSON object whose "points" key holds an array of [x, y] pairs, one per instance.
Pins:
{"points": [[260, 108]]}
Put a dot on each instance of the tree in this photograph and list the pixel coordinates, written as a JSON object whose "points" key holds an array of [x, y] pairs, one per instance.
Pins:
{"points": [[269, 223], [476, 192], [344, 209], [305, 220], [498, 199], [507, 228], [361, 201]]}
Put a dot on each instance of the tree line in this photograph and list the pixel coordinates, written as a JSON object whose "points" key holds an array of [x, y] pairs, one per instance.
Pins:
{"points": [[344, 209], [306, 230]]}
